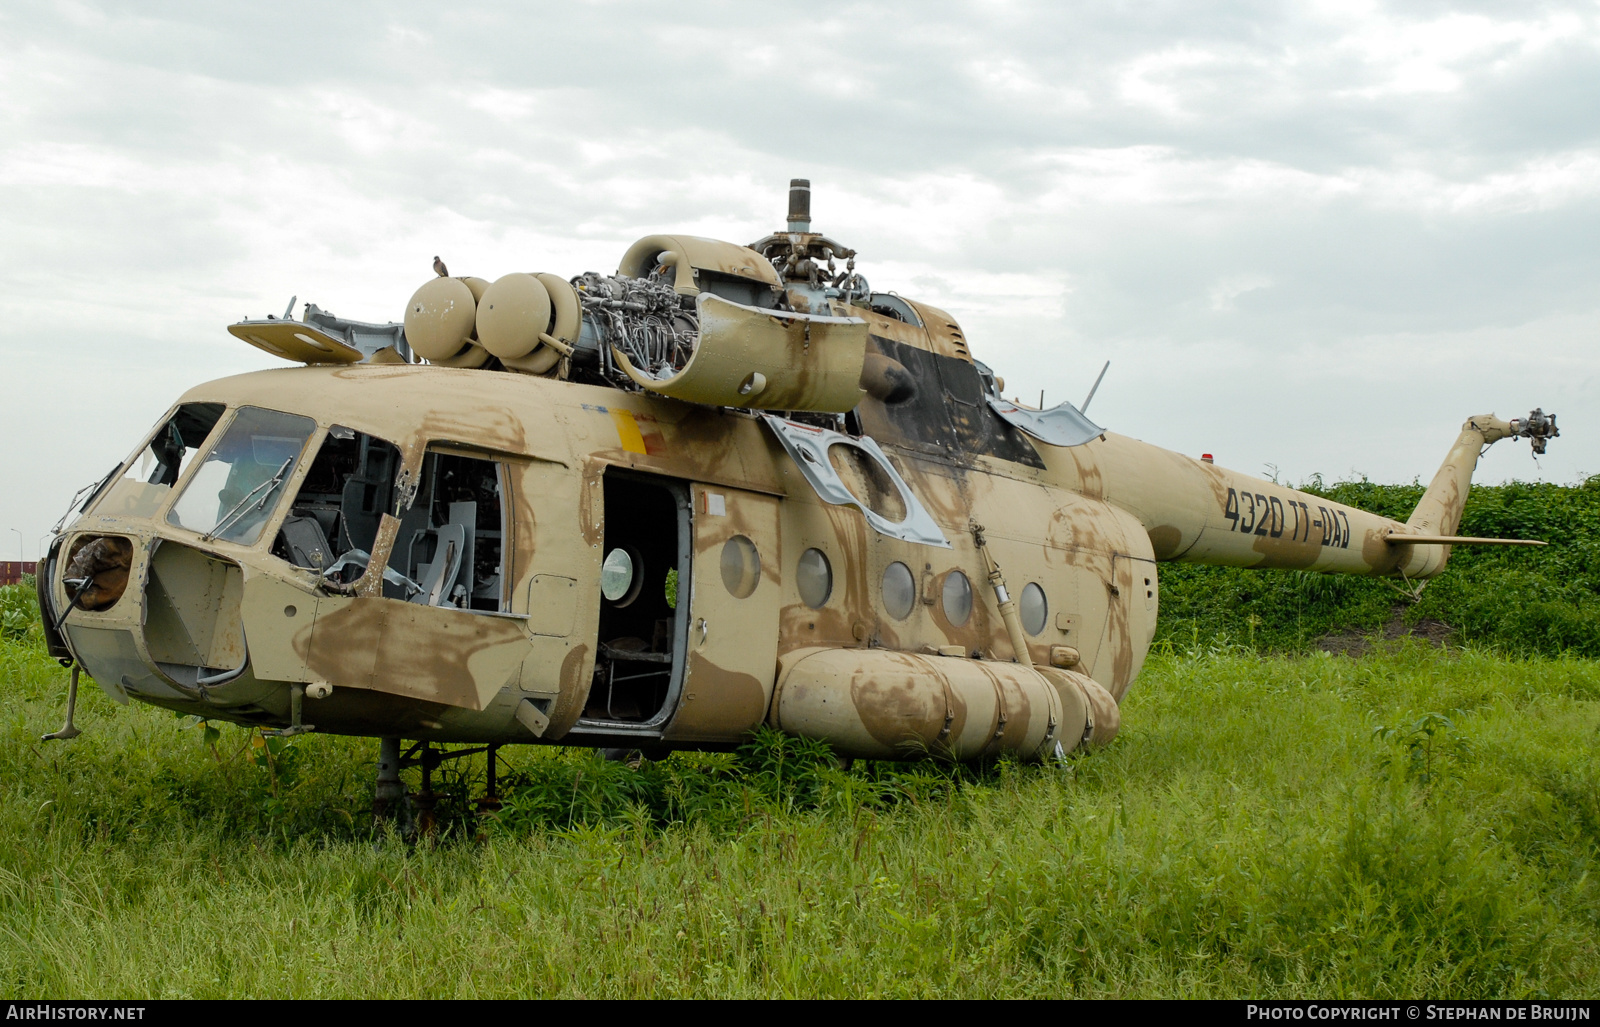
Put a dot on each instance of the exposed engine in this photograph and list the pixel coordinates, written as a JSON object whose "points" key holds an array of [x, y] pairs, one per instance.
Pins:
{"points": [[642, 318], [783, 311]]}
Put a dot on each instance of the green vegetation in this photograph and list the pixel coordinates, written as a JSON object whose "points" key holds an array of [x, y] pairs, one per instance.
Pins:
{"points": [[1517, 599], [1273, 821], [19, 611]]}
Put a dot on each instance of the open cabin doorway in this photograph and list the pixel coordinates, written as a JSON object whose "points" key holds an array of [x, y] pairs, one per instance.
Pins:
{"points": [[644, 590]]}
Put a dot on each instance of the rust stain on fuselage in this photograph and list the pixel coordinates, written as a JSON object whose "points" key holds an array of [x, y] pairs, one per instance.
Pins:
{"points": [[576, 678], [720, 705], [896, 710], [424, 652]]}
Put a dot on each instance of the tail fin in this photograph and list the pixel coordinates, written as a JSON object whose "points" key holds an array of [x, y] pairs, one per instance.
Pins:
{"points": [[1438, 512]]}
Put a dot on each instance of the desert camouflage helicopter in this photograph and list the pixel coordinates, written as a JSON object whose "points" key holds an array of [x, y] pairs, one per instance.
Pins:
{"points": [[725, 486]]}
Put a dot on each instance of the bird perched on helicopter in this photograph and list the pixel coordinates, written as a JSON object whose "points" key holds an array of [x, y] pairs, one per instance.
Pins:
{"points": [[725, 486]]}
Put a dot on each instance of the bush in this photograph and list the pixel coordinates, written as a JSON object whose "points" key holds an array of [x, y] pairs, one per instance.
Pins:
{"points": [[1519, 600], [19, 610]]}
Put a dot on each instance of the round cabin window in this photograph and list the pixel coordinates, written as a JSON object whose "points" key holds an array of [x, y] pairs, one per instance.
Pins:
{"points": [[741, 566], [619, 577], [1034, 609], [814, 576], [899, 590], [957, 598]]}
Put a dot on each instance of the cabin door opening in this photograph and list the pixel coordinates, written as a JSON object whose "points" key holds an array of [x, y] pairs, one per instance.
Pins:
{"points": [[643, 603]]}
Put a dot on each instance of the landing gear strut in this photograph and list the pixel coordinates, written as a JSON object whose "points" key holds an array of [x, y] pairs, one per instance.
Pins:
{"points": [[390, 794], [490, 803], [69, 729], [391, 798]]}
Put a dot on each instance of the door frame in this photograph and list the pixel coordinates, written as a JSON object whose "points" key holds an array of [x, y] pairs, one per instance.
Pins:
{"points": [[680, 490]]}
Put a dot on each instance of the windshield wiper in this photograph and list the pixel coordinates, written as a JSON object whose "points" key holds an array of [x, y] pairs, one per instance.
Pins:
{"points": [[94, 493], [238, 508]]}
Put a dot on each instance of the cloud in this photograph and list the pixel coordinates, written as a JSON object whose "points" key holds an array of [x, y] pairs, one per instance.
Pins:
{"points": [[1227, 290]]}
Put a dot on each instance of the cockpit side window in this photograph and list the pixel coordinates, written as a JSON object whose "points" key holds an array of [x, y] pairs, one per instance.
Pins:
{"points": [[175, 444], [450, 549], [148, 477], [345, 493]]}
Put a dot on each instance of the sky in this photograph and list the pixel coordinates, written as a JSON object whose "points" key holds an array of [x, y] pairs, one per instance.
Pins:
{"points": [[1310, 238]]}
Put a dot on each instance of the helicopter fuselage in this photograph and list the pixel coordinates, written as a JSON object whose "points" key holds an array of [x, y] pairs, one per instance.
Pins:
{"points": [[738, 568], [723, 487]]}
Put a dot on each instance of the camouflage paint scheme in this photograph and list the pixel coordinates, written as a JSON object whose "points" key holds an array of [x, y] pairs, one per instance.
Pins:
{"points": [[1087, 524]]}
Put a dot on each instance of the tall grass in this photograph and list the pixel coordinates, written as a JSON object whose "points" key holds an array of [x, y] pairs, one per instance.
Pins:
{"points": [[1414, 822]]}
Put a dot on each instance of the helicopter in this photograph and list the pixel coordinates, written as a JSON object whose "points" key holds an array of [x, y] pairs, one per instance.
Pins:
{"points": [[722, 487]]}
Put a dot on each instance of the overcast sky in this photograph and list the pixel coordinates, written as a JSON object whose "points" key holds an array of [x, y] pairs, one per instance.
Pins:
{"points": [[1315, 236]]}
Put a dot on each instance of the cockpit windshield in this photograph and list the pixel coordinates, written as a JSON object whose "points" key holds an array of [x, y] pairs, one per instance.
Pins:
{"points": [[235, 491]]}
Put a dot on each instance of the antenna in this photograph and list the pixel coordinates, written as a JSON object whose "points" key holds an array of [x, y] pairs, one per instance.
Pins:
{"points": [[288, 312], [1085, 408]]}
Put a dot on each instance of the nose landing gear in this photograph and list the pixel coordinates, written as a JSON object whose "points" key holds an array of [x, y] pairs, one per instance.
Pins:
{"points": [[69, 729]]}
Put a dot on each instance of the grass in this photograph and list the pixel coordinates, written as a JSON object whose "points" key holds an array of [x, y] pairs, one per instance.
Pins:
{"points": [[1415, 822], [1273, 821]]}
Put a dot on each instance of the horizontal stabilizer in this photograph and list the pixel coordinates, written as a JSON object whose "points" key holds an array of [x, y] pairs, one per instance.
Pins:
{"points": [[1458, 540]]}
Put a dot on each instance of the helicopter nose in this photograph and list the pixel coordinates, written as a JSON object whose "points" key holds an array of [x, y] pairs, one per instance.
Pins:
{"points": [[194, 628]]}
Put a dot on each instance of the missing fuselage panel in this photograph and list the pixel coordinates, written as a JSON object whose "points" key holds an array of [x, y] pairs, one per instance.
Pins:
{"points": [[344, 495], [450, 547], [451, 541]]}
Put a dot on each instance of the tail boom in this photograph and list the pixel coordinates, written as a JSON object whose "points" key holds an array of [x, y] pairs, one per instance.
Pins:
{"points": [[1197, 512]]}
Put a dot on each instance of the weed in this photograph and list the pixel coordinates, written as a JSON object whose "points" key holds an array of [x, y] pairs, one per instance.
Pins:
{"points": [[1238, 838], [1430, 748]]}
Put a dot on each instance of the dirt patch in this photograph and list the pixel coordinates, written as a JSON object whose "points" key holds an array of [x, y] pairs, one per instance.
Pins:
{"points": [[1358, 643]]}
